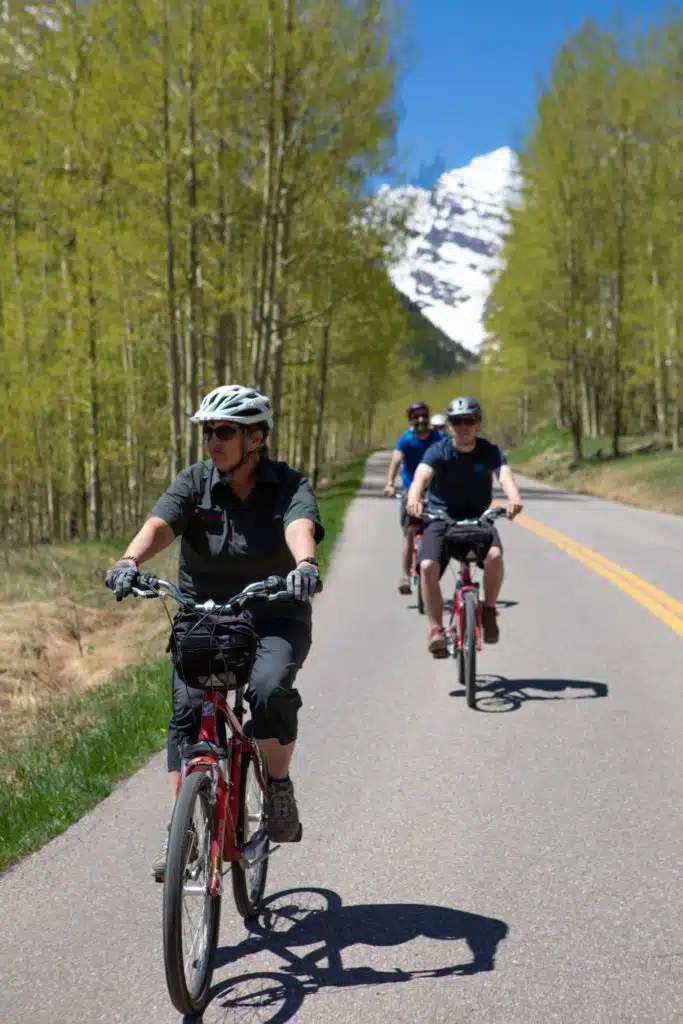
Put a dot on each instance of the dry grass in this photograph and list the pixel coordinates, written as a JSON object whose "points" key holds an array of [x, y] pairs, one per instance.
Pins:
{"points": [[651, 480], [73, 635], [61, 631]]}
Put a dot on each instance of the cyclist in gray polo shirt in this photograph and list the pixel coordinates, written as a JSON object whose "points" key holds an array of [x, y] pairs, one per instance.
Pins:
{"points": [[241, 517]]}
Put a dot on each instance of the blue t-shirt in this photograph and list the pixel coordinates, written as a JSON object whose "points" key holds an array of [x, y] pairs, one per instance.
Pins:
{"points": [[462, 484], [412, 449]]}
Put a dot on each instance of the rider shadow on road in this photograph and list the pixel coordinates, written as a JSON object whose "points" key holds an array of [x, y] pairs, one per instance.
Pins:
{"points": [[496, 694], [316, 917]]}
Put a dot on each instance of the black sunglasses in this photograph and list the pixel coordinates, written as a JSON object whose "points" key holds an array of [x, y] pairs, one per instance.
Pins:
{"points": [[462, 421], [224, 433]]}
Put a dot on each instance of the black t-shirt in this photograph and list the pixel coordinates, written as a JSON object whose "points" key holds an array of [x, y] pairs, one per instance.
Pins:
{"points": [[462, 484], [227, 543]]}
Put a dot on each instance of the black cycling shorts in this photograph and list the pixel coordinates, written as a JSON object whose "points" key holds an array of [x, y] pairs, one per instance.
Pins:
{"points": [[434, 548], [273, 699], [408, 523]]}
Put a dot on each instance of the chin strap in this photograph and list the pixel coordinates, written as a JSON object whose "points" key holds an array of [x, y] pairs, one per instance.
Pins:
{"points": [[226, 474]]}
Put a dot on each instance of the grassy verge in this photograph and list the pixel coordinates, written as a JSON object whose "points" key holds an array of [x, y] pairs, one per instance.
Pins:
{"points": [[78, 747], [648, 479], [341, 482], [77, 750]]}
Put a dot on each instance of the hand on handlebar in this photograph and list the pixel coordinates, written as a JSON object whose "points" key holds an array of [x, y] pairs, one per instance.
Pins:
{"points": [[302, 582], [513, 509], [389, 490], [415, 508], [122, 577]]}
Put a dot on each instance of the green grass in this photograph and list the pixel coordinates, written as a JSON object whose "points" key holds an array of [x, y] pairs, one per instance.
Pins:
{"points": [[77, 750], [79, 747], [343, 480], [650, 479], [545, 438]]}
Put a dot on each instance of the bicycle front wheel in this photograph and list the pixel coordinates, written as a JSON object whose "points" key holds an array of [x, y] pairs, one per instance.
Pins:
{"points": [[191, 915], [249, 882], [420, 598], [468, 653]]}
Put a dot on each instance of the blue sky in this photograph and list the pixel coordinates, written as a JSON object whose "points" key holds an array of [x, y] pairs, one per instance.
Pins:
{"points": [[474, 68]]}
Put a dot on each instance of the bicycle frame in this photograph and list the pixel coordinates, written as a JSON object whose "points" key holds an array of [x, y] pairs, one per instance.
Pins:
{"points": [[456, 625], [225, 778], [417, 537]]}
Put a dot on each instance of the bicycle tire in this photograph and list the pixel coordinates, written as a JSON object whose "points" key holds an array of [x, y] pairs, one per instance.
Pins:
{"points": [[468, 654], [248, 884], [188, 999], [420, 598]]}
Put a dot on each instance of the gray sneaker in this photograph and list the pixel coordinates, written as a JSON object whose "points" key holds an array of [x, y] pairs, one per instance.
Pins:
{"points": [[283, 814], [159, 862]]}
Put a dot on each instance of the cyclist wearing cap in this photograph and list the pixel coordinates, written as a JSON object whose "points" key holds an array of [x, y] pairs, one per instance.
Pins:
{"points": [[459, 474], [241, 517], [438, 422], [410, 447]]}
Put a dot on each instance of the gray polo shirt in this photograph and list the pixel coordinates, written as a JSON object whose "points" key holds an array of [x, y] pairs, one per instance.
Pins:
{"points": [[227, 543]]}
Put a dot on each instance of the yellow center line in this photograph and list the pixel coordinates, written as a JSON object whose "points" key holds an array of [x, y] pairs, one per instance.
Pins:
{"points": [[664, 607]]}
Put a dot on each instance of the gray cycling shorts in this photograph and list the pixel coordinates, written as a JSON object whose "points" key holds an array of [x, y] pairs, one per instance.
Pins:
{"points": [[273, 700]]}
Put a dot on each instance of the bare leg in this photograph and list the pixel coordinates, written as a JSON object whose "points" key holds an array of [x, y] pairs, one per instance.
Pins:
{"points": [[278, 757], [493, 576], [431, 592], [407, 554], [174, 780]]}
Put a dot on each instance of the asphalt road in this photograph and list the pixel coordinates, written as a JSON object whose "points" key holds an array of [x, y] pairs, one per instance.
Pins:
{"points": [[521, 863]]}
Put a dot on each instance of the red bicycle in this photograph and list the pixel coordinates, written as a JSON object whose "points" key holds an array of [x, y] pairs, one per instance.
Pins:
{"points": [[468, 541], [220, 818]]}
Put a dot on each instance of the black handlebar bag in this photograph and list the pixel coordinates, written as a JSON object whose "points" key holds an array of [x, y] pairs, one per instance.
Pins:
{"points": [[470, 542], [213, 650]]}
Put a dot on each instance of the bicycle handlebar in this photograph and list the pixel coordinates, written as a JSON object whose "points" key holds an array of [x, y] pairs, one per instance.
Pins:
{"points": [[271, 589], [489, 516]]}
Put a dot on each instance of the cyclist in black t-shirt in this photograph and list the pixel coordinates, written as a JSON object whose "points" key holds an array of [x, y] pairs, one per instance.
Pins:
{"points": [[459, 473]]}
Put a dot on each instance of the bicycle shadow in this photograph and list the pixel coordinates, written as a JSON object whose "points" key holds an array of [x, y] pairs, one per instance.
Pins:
{"points": [[496, 694], [316, 917]]}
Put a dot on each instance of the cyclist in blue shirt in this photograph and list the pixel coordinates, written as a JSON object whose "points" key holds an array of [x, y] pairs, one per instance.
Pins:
{"points": [[410, 447]]}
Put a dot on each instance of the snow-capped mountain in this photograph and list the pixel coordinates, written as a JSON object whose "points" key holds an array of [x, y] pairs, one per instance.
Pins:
{"points": [[457, 230]]}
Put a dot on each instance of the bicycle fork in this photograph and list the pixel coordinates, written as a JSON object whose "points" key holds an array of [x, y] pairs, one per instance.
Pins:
{"points": [[456, 633]]}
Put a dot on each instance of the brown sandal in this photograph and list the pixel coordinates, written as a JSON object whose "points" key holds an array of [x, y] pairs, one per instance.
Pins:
{"points": [[437, 643]]}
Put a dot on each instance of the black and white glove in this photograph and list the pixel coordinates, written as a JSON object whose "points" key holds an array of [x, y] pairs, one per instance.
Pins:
{"points": [[122, 577], [303, 581]]}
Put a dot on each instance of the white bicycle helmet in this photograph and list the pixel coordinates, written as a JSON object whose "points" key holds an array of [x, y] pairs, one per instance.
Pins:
{"points": [[438, 420], [233, 403]]}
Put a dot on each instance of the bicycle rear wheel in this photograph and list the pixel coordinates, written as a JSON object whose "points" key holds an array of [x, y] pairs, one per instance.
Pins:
{"points": [[189, 948], [467, 669], [249, 883]]}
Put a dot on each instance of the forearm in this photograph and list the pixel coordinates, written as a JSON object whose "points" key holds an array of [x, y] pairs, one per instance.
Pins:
{"points": [[508, 485], [396, 460], [300, 539], [154, 536], [419, 486]]}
